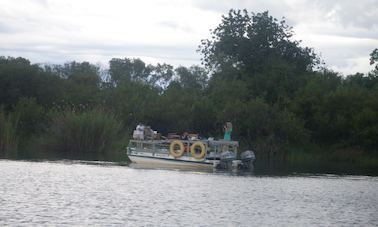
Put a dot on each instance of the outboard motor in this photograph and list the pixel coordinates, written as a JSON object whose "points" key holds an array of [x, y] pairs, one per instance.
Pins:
{"points": [[247, 158], [226, 158]]}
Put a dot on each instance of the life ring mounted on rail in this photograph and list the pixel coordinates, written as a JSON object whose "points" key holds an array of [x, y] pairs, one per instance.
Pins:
{"points": [[177, 153], [193, 150]]}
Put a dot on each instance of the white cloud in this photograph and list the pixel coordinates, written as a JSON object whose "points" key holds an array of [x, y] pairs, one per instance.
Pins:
{"points": [[345, 32]]}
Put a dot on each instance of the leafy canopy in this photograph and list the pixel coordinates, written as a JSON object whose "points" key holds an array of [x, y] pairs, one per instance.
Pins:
{"points": [[252, 42]]}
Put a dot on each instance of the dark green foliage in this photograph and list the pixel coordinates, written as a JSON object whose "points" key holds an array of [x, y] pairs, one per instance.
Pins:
{"points": [[193, 78], [81, 83], [31, 117], [255, 42], [89, 135], [18, 78], [126, 70], [8, 135], [258, 50], [80, 73]]}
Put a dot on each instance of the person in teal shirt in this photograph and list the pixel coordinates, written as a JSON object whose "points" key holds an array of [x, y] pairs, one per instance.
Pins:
{"points": [[227, 131]]}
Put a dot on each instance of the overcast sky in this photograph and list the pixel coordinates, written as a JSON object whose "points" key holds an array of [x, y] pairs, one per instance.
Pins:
{"points": [[343, 32]]}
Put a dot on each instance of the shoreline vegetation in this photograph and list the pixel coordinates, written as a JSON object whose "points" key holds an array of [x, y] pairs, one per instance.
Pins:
{"points": [[297, 115]]}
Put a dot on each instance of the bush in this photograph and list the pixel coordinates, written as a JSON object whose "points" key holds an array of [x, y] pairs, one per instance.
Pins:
{"points": [[90, 135], [31, 117], [8, 135]]}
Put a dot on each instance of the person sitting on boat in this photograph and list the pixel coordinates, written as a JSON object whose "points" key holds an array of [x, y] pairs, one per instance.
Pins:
{"points": [[185, 136], [227, 131]]}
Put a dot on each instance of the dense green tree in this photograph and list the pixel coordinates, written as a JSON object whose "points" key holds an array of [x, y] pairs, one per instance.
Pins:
{"points": [[311, 97], [254, 42], [365, 124], [369, 81], [135, 70], [125, 70], [82, 84], [19, 78], [259, 50], [194, 78], [176, 103]]}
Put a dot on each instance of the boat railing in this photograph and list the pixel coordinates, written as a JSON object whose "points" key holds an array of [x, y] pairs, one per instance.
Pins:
{"points": [[163, 146]]}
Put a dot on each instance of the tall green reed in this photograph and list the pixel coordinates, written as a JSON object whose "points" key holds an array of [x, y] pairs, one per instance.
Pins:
{"points": [[89, 135], [8, 135]]}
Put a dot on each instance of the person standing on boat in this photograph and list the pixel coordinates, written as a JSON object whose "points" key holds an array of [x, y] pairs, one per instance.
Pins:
{"points": [[227, 131]]}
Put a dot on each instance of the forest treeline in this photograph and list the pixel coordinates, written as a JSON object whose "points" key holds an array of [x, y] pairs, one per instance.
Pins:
{"points": [[278, 95]]}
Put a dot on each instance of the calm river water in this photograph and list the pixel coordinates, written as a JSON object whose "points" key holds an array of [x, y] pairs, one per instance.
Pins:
{"points": [[42, 193]]}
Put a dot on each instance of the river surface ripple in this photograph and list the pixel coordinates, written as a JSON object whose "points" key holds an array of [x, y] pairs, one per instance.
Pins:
{"points": [[43, 193]]}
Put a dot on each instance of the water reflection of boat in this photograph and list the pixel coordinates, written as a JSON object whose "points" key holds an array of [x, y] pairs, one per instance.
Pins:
{"points": [[205, 154]]}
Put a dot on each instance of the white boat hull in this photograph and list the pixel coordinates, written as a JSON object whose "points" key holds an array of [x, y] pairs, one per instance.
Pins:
{"points": [[153, 162]]}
